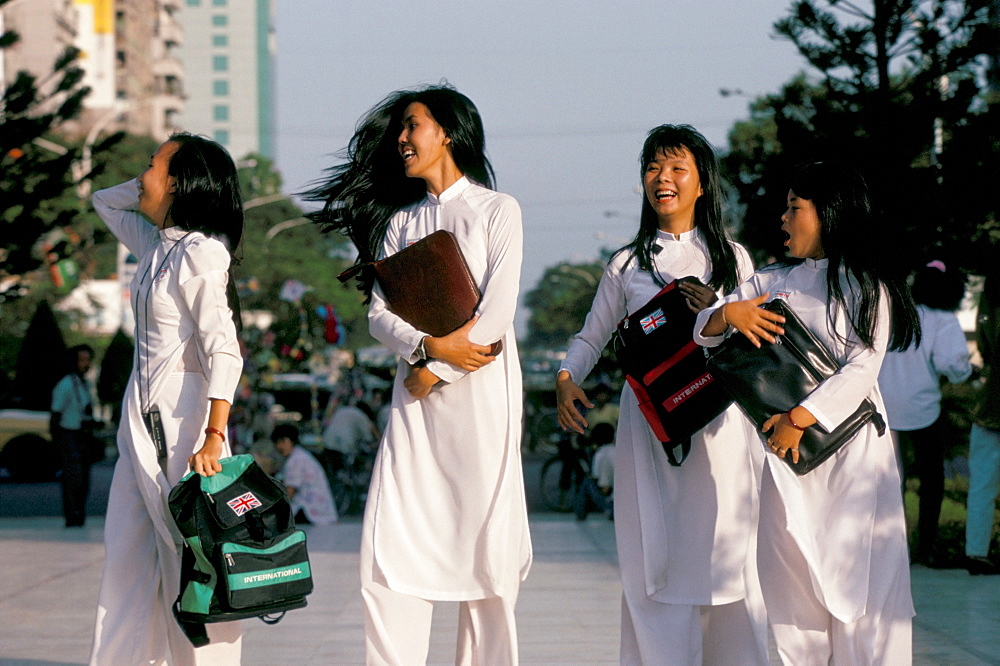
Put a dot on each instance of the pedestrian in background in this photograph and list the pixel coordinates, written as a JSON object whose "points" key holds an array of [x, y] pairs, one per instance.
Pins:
{"points": [[832, 543], [183, 217], [304, 479], [984, 442], [910, 383], [685, 534], [446, 518], [72, 427]]}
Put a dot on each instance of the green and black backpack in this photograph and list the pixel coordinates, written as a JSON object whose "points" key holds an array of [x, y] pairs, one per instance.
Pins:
{"points": [[242, 555]]}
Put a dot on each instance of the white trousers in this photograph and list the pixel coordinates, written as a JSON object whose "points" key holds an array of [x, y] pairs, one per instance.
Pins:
{"points": [[984, 482], [135, 623], [398, 626], [655, 634], [805, 632]]}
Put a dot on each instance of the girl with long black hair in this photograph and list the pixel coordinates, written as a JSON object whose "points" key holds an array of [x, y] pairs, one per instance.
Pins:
{"points": [[832, 543], [685, 534], [446, 518], [187, 367]]}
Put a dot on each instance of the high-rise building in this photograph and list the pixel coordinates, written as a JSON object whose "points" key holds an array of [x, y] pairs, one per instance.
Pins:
{"points": [[228, 54], [45, 28]]}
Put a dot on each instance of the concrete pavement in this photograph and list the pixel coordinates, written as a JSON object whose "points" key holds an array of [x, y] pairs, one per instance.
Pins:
{"points": [[568, 611]]}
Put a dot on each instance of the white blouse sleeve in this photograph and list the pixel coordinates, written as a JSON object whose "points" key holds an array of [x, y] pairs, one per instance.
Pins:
{"points": [[751, 288], [950, 355], [203, 278], [840, 394], [118, 206], [384, 325], [608, 309], [500, 284]]}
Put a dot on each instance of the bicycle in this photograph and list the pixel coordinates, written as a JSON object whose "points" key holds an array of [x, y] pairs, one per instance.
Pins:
{"points": [[563, 473], [350, 483]]}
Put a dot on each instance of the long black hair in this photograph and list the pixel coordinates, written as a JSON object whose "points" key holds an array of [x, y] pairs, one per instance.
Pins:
{"points": [[208, 199], [673, 139], [360, 195], [849, 234]]}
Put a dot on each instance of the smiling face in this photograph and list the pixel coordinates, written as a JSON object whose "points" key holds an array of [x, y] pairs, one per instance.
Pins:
{"points": [[423, 144], [673, 185], [801, 223], [157, 186]]}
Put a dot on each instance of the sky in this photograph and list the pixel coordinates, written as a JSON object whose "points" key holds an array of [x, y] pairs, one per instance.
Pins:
{"points": [[567, 91]]}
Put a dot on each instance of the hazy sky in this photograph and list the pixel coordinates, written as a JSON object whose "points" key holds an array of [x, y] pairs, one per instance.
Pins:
{"points": [[566, 89]]}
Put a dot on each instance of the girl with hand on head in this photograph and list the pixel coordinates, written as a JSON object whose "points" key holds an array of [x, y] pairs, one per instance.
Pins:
{"points": [[832, 543], [182, 218], [685, 534], [446, 518]]}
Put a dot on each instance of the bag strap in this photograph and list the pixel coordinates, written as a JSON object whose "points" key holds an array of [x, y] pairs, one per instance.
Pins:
{"points": [[669, 447]]}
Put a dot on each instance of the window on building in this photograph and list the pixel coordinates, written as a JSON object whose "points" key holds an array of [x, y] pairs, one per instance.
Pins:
{"points": [[220, 88], [220, 112], [220, 20], [220, 63], [194, 3], [218, 3], [220, 40], [221, 136]]}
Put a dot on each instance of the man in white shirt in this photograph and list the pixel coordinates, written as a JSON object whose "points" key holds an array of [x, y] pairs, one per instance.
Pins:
{"points": [[308, 490]]}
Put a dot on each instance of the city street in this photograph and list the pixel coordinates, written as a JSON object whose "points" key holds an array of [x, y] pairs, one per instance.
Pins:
{"points": [[568, 610]]}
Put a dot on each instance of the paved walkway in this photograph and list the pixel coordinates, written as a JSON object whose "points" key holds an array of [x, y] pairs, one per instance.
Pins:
{"points": [[568, 611]]}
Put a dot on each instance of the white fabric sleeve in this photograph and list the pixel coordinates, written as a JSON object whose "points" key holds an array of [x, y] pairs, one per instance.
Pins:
{"points": [[751, 288], [385, 326], [839, 395], [203, 278], [607, 310], [950, 355], [500, 284], [118, 206]]}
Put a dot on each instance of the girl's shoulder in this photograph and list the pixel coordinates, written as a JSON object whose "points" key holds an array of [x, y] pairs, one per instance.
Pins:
{"points": [[201, 253]]}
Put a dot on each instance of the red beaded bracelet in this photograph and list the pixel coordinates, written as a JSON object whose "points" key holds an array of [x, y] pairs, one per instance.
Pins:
{"points": [[792, 421], [213, 431]]}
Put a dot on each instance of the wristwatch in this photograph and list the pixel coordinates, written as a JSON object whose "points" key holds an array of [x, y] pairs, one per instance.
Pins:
{"points": [[421, 352]]}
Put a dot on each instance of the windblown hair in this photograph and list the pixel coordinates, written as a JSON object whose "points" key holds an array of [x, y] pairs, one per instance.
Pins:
{"points": [[673, 139], [360, 195], [849, 236], [208, 199], [938, 288]]}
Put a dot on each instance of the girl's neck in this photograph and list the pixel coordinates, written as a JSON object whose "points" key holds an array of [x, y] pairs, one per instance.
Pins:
{"points": [[676, 226], [443, 179]]}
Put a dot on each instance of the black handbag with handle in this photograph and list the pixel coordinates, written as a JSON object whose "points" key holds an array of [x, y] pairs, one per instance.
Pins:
{"points": [[774, 378]]}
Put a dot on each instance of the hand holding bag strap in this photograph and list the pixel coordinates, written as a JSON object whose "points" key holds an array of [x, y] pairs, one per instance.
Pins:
{"points": [[776, 377]]}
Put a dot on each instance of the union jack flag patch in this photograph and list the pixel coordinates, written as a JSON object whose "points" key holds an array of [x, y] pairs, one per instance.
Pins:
{"points": [[243, 503], [653, 321]]}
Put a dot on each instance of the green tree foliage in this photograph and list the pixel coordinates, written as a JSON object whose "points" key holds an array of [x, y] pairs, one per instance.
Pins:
{"points": [[41, 361], [897, 95], [279, 244], [560, 303]]}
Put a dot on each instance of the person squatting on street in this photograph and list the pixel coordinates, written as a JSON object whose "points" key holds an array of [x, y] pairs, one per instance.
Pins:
{"points": [[446, 518], [686, 535], [832, 543], [187, 366]]}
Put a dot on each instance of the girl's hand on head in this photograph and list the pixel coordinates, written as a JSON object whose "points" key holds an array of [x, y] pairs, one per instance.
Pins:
{"points": [[698, 296], [457, 349], [206, 460], [567, 395], [754, 321], [420, 381]]}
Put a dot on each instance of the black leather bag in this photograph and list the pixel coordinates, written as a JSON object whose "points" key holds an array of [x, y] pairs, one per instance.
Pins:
{"points": [[666, 369], [776, 377]]}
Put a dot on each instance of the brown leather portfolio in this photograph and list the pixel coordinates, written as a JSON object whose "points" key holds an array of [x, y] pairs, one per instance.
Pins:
{"points": [[428, 285]]}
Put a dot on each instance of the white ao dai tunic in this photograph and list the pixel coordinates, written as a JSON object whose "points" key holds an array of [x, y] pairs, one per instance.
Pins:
{"points": [[846, 516], [446, 516], [683, 533]]}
